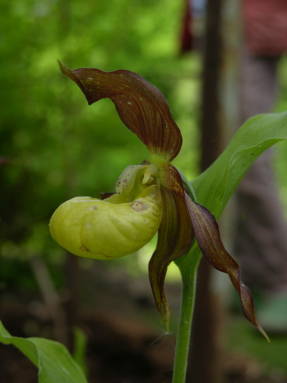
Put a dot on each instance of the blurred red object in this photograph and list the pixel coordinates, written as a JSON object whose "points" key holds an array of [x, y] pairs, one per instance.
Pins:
{"points": [[186, 35], [265, 26]]}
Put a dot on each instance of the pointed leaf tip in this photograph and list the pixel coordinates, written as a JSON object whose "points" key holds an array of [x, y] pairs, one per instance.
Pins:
{"points": [[140, 105], [207, 234]]}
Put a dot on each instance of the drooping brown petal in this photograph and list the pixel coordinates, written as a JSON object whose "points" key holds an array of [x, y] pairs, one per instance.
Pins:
{"points": [[140, 105], [175, 237], [208, 237]]}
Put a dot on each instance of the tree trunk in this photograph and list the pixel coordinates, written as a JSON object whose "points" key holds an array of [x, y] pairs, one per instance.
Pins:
{"points": [[262, 244], [204, 363], [219, 114]]}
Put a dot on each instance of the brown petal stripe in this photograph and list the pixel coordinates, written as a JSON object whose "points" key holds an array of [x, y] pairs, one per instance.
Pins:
{"points": [[174, 238], [141, 106], [208, 237]]}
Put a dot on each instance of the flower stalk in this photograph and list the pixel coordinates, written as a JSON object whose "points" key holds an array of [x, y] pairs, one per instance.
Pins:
{"points": [[183, 335]]}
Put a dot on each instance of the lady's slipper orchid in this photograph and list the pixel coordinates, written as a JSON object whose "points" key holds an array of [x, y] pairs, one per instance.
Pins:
{"points": [[150, 197]]}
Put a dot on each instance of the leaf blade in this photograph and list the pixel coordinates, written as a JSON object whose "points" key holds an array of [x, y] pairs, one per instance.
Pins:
{"points": [[54, 362], [215, 186]]}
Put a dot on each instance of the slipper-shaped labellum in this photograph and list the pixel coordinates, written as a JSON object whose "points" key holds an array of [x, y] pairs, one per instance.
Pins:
{"points": [[149, 198], [113, 227]]}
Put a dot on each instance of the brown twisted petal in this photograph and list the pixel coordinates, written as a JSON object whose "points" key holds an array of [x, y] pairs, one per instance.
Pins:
{"points": [[141, 106], [175, 237], [208, 237]]}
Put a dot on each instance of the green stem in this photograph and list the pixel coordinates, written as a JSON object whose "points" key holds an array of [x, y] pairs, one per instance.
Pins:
{"points": [[188, 266]]}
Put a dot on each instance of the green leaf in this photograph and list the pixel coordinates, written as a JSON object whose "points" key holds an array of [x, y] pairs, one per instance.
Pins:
{"points": [[212, 189], [54, 362], [215, 186]]}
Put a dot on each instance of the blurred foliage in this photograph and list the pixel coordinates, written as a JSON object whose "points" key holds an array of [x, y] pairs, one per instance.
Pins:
{"points": [[244, 339], [55, 146]]}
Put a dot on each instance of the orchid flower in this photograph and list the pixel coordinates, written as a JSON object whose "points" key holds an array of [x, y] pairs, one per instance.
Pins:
{"points": [[149, 198]]}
